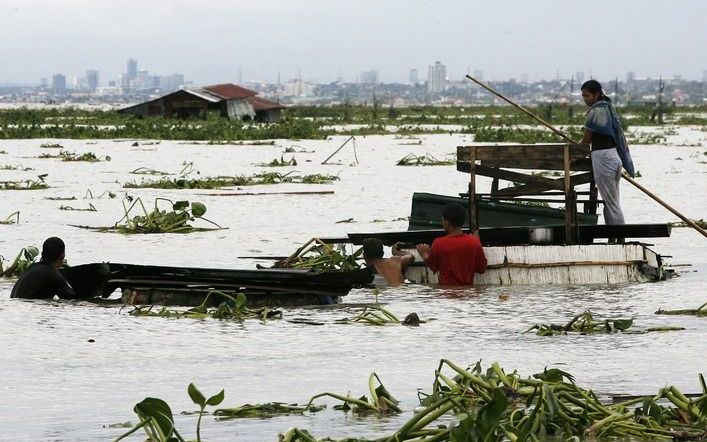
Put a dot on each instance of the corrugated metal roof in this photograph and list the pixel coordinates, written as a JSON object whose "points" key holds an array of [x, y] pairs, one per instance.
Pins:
{"points": [[230, 91], [203, 94], [261, 104]]}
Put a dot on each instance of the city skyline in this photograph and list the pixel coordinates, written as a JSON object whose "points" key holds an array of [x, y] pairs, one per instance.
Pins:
{"points": [[320, 42]]}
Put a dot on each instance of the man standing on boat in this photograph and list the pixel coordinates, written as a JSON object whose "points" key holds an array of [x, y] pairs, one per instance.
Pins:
{"points": [[390, 271], [42, 279], [456, 256], [609, 149]]}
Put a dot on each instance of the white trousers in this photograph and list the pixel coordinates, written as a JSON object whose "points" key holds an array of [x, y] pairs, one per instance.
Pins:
{"points": [[607, 176]]}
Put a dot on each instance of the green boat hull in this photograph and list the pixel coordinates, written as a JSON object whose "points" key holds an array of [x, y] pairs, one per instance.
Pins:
{"points": [[427, 208]]}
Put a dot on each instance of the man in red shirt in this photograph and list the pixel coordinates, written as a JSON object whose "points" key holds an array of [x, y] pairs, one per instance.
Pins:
{"points": [[456, 256]]}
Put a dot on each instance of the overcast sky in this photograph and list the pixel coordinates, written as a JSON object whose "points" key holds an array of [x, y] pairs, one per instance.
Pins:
{"points": [[211, 41]]}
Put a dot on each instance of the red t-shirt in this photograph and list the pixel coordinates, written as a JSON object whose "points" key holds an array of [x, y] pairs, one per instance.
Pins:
{"points": [[456, 258]]}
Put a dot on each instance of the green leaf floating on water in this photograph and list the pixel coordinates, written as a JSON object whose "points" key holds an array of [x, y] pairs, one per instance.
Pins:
{"points": [[198, 209], [180, 205], [623, 324]]}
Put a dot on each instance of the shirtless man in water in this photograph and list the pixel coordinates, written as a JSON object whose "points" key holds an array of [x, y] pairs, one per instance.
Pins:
{"points": [[391, 269]]}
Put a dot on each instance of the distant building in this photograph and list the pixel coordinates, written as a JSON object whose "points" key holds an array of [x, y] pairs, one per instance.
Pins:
{"points": [[132, 69], [524, 78], [478, 74], [579, 77], [297, 88], [413, 76], [59, 84], [142, 81], [172, 82], [436, 78], [369, 77], [231, 101], [91, 80]]}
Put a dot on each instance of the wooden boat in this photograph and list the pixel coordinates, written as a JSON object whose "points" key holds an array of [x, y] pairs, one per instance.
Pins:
{"points": [[426, 213], [533, 245], [143, 284]]}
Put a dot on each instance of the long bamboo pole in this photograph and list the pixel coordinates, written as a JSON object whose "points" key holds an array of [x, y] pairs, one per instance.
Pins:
{"points": [[567, 138]]}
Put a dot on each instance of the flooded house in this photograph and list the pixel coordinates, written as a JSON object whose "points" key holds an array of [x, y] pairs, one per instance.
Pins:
{"points": [[229, 100]]}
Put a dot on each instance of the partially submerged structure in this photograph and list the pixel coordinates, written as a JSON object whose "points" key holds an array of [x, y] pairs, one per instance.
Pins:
{"points": [[529, 244], [229, 100]]}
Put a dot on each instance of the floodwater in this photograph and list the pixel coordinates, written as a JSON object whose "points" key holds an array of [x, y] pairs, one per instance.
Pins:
{"points": [[59, 386]]}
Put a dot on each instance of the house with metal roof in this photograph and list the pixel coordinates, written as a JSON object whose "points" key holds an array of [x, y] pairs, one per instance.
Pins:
{"points": [[229, 100]]}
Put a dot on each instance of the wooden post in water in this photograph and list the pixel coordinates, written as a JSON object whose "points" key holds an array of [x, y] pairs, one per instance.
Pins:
{"points": [[473, 212], [571, 236]]}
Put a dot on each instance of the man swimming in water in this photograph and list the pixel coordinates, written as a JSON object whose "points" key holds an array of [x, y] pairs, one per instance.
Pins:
{"points": [[390, 269], [42, 279]]}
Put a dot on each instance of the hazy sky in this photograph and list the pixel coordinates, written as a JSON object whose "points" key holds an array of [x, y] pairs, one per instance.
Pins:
{"points": [[210, 41]]}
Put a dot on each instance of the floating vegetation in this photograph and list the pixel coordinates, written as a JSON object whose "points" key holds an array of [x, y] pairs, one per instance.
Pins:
{"points": [[24, 259], [60, 198], [700, 311], [228, 181], [161, 221], [518, 135], [424, 160], [271, 409], [15, 167], [90, 208], [157, 420], [378, 315], [26, 184], [297, 149], [106, 193], [584, 323], [495, 406], [3, 152], [380, 401], [700, 222], [148, 171], [232, 308], [282, 162], [14, 218], [321, 257], [51, 146], [89, 157]]}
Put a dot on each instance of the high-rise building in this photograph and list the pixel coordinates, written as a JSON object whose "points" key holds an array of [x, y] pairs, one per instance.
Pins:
{"points": [[59, 84], [92, 80], [413, 76], [630, 77], [142, 81], [132, 69], [579, 77], [369, 77], [169, 83], [44, 83], [436, 78]]}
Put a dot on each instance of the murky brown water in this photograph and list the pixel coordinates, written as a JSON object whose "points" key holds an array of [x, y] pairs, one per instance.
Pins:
{"points": [[57, 386]]}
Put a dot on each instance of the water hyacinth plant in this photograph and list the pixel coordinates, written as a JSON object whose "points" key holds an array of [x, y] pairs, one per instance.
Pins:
{"points": [[22, 261], [585, 323], [230, 181], [159, 220], [232, 308], [30, 184], [317, 255], [699, 311], [424, 160], [282, 162], [495, 406], [13, 218]]}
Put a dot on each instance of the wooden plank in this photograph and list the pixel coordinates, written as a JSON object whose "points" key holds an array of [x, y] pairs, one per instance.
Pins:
{"points": [[508, 175], [507, 155], [533, 189], [579, 165]]}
